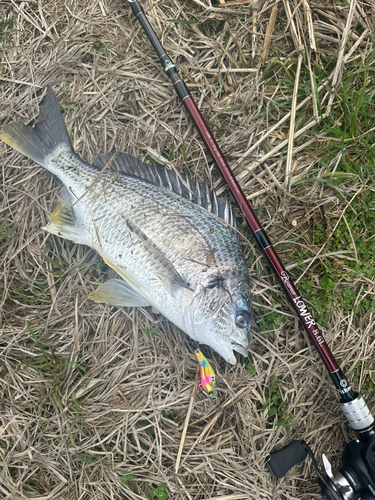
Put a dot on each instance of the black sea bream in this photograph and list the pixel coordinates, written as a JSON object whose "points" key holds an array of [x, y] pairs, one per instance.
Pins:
{"points": [[171, 241]]}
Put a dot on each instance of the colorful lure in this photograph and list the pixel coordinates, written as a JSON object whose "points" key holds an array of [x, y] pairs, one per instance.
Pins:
{"points": [[207, 383]]}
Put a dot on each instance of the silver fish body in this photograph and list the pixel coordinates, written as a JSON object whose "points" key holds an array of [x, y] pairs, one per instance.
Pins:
{"points": [[173, 253]]}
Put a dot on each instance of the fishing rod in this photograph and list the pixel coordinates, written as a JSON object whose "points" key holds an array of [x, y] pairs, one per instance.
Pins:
{"points": [[357, 476]]}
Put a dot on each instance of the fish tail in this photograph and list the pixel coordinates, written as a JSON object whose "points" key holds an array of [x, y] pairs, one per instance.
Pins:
{"points": [[48, 133]]}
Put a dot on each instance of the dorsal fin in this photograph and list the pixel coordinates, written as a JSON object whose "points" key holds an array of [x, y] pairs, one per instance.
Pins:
{"points": [[200, 194]]}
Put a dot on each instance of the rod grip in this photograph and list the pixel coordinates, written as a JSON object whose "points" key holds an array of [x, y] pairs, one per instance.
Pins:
{"points": [[283, 460]]}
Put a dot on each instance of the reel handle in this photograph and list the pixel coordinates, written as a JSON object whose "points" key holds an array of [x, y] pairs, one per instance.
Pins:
{"points": [[284, 459], [353, 480]]}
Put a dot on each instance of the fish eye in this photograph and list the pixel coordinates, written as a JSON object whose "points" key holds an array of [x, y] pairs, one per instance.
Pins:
{"points": [[243, 319]]}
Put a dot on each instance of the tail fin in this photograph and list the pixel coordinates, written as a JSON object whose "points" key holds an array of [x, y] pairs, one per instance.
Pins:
{"points": [[37, 142]]}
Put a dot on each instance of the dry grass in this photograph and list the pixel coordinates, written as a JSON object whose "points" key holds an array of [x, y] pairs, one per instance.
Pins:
{"points": [[90, 394]]}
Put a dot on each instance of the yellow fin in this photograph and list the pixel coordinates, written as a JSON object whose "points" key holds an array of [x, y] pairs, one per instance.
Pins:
{"points": [[118, 269], [118, 293], [63, 223], [25, 140], [122, 272], [63, 214]]}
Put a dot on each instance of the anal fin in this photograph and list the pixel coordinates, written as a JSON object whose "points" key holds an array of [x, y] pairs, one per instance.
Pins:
{"points": [[118, 293]]}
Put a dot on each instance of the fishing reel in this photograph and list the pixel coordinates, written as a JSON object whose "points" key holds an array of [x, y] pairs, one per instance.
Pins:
{"points": [[355, 478]]}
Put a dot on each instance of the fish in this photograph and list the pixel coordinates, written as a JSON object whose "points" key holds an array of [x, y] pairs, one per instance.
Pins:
{"points": [[207, 383], [172, 241]]}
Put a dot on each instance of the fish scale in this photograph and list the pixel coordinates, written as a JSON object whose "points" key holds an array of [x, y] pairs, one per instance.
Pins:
{"points": [[176, 232], [167, 243]]}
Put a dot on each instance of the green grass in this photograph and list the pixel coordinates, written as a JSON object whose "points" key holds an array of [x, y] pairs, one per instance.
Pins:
{"points": [[250, 368], [4, 28], [127, 478], [367, 384], [150, 332], [101, 49], [276, 403], [30, 290], [267, 320], [5, 233], [349, 135], [50, 367], [68, 104], [159, 492], [339, 284]]}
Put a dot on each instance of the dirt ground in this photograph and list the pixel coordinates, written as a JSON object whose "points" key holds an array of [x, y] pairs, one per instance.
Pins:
{"points": [[94, 399]]}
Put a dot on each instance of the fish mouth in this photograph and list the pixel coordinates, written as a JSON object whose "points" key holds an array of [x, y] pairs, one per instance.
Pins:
{"points": [[239, 348]]}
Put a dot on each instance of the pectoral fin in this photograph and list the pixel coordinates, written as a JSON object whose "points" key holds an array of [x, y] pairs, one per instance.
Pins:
{"points": [[118, 293], [63, 223], [162, 266]]}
